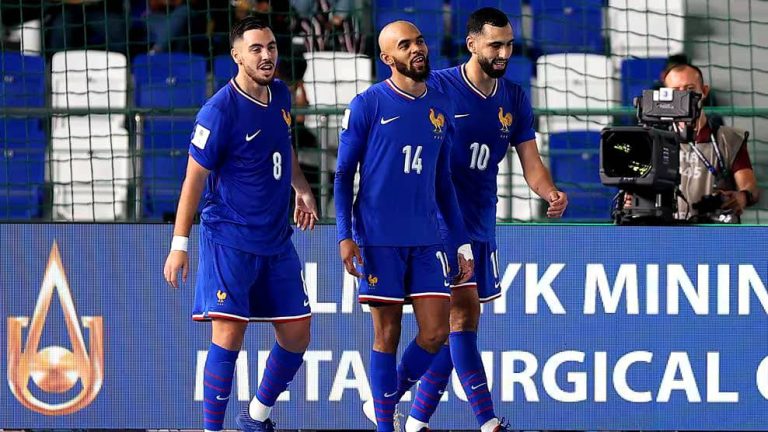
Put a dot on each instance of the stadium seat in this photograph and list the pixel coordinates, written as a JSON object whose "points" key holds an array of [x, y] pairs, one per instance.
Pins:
{"points": [[90, 169], [575, 81], [169, 80], [574, 160], [165, 143], [224, 69], [646, 28], [638, 75], [29, 36], [568, 26], [90, 79], [333, 79], [462, 9], [427, 15], [23, 80], [519, 71], [22, 168]]}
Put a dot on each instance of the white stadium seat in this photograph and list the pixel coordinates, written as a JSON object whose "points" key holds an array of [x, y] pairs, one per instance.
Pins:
{"points": [[646, 28]]}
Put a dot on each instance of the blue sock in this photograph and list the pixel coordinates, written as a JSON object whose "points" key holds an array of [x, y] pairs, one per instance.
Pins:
{"points": [[432, 385], [217, 385], [281, 368], [469, 368], [384, 389], [413, 364]]}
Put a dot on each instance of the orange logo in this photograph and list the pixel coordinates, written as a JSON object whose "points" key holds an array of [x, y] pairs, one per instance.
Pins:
{"points": [[55, 369], [221, 296], [438, 121], [372, 280], [505, 120], [286, 117]]}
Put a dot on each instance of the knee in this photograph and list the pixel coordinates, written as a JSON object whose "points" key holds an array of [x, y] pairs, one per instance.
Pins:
{"points": [[433, 338]]}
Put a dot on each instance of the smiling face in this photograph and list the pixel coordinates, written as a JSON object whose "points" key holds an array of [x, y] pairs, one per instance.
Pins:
{"points": [[256, 54], [493, 47], [404, 49]]}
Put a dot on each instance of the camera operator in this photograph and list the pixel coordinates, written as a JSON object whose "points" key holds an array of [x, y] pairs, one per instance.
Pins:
{"points": [[716, 174]]}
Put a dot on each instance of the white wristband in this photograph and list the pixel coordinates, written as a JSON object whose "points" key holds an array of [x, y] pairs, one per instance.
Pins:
{"points": [[179, 243], [465, 250]]}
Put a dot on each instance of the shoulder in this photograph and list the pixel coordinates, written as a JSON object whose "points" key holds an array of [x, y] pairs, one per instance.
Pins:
{"points": [[221, 102], [280, 91], [442, 76], [513, 90]]}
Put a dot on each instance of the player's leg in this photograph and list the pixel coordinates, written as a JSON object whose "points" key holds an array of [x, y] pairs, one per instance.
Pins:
{"points": [[465, 317], [383, 288], [223, 278], [279, 296]]}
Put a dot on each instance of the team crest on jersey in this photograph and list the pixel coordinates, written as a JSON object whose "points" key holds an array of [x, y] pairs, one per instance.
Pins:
{"points": [[505, 119], [437, 120], [286, 117], [372, 280], [221, 295]]}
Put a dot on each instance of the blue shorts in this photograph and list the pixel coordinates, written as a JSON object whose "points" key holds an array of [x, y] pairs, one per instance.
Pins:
{"points": [[486, 277], [237, 285], [400, 274]]}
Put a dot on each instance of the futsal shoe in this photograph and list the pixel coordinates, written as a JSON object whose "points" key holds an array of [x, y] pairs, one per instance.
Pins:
{"points": [[248, 424]]}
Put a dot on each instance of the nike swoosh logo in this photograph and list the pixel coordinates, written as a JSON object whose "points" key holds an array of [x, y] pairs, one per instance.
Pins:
{"points": [[475, 387], [306, 303], [388, 395], [218, 397], [460, 115], [385, 121], [250, 137], [440, 391]]}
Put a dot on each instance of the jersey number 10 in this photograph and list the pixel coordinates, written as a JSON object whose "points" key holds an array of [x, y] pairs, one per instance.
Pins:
{"points": [[412, 159], [480, 155]]}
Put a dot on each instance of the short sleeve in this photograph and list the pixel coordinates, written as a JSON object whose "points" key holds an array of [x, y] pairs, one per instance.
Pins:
{"points": [[523, 126], [209, 137]]}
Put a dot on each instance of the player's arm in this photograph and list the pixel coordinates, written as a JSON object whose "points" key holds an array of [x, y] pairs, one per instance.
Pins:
{"points": [[205, 151], [355, 127], [535, 173], [305, 211], [448, 204]]}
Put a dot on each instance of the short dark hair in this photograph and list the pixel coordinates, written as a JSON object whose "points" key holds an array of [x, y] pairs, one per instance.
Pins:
{"points": [[242, 26], [483, 16], [678, 66]]}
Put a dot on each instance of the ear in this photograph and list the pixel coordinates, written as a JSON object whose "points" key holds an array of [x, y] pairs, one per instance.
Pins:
{"points": [[386, 58], [470, 44], [705, 91], [235, 56]]}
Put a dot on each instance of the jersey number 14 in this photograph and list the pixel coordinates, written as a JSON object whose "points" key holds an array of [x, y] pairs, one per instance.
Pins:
{"points": [[412, 159]]}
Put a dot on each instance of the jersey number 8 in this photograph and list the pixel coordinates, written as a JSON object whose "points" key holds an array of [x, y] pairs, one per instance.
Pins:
{"points": [[277, 167]]}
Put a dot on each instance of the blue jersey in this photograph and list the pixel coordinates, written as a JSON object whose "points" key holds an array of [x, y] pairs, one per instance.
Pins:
{"points": [[246, 145], [402, 144], [485, 128]]}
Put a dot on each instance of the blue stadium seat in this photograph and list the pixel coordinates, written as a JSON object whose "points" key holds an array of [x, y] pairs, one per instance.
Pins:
{"points": [[427, 15], [519, 71], [164, 163], [462, 9], [22, 168], [169, 80], [638, 74], [23, 80], [575, 165], [568, 26], [224, 69]]}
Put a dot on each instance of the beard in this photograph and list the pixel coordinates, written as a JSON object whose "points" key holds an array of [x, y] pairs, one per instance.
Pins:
{"points": [[487, 66], [254, 75], [408, 70]]}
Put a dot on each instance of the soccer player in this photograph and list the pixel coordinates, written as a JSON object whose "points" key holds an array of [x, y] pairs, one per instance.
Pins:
{"points": [[248, 268], [491, 113], [399, 133]]}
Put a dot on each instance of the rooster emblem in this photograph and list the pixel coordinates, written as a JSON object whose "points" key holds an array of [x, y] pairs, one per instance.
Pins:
{"points": [[438, 121], [505, 120], [372, 280], [221, 296], [286, 117]]}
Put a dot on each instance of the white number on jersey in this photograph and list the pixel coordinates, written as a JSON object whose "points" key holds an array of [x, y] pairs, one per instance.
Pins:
{"points": [[277, 168], [480, 155], [412, 163]]}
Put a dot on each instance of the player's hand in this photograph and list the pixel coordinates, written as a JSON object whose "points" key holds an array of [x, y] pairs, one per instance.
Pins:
{"points": [[558, 201], [350, 252], [735, 201], [305, 213], [466, 264], [177, 260]]}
